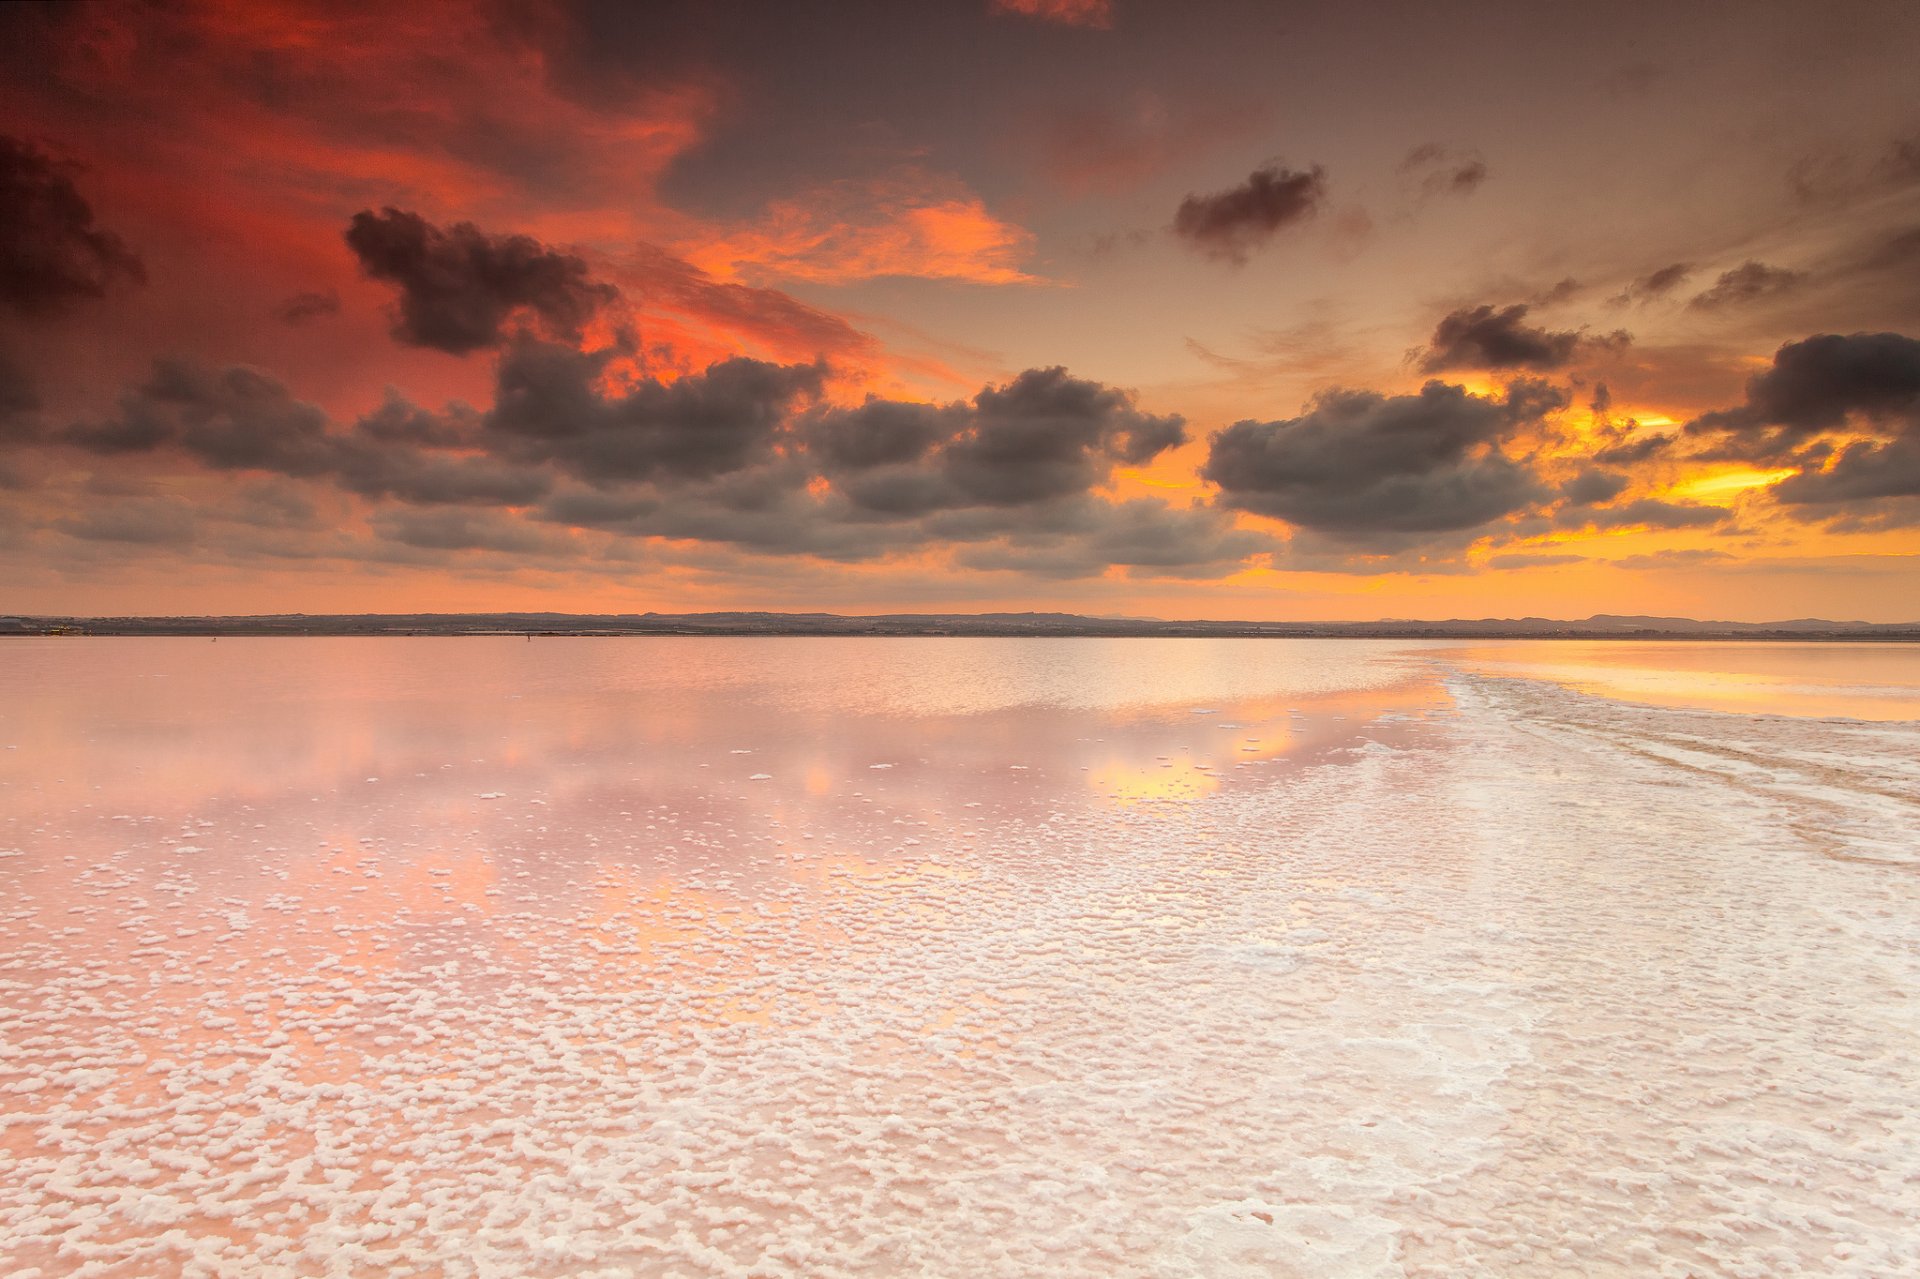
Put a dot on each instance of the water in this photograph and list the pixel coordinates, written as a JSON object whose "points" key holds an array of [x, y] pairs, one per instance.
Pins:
{"points": [[938, 957]]}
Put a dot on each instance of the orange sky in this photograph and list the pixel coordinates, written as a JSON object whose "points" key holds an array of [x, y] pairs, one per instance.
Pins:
{"points": [[1236, 310]]}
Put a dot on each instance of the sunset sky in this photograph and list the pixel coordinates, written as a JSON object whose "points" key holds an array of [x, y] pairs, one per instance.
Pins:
{"points": [[1232, 310]]}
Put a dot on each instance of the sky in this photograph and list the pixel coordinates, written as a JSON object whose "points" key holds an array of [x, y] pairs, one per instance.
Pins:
{"points": [[1226, 310]]}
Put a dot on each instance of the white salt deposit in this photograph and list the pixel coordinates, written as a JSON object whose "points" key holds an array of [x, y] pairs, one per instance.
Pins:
{"points": [[1474, 976]]}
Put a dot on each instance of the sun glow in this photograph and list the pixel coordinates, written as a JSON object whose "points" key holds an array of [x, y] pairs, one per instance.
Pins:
{"points": [[1723, 483]]}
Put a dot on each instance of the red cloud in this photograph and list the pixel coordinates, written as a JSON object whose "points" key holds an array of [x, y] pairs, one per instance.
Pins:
{"points": [[1071, 13], [909, 223]]}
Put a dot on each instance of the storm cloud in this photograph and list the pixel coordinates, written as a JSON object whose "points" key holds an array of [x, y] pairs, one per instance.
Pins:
{"points": [[459, 285], [1231, 225]]}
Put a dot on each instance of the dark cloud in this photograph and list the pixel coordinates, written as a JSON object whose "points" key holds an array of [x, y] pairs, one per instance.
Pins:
{"points": [[1748, 282], [1147, 537], [410, 475], [304, 308], [1820, 384], [1692, 557], [741, 454], [459, 285], [232, 418], [1232, 224], [1634, 450], [51, 253], [1045, 435], [1533, 561], [1646, 512], [1902, 159], [273, 504], [1483, 337], [463, 530], [1864, 471], [879, 433], [19, 402], [549, 408], [1010, 473], [1557, 292], [240, 419], [1442, 171], [150, 521], [1593, 486], [1655, 284], [1899, 251], [1362, 466]]}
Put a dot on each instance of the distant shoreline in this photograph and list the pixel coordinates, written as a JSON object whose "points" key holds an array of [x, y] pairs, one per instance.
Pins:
{"points": [[990, 625]]}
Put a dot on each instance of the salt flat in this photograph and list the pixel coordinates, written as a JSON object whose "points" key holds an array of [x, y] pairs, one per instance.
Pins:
{"points": [[944, 957]]}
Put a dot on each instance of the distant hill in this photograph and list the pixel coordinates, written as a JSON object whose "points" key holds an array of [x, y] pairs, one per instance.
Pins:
{"points": [[1599, 626]]}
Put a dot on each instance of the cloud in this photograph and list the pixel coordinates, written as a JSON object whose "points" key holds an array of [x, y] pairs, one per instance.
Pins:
{"points": [[1810, 410], [304, 308], [459, 285], [241, 419], [1043, 436], [1692, 557], [1067, 13], [1443, 171], [1646, 512], [549, 409], [1593, 486], [1748, 282], [907, 224], [766, 317], [1818, 384], [1655, 284], [463, 530], [1144, 536], [1368, 468], [19, 401], [1533, 561], [1115, 147], [1231, 225], [232, 418], [52, 254], [1485, 338], [1864, 471], [141, 521], [742, 454]]}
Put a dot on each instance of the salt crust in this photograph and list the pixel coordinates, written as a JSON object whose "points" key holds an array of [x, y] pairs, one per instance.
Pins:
{"points": [[1544, 985]]}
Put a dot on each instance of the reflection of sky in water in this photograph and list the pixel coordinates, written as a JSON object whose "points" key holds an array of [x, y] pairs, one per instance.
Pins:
{"points": [[1852, 681], [841, 957], [261, 837]]}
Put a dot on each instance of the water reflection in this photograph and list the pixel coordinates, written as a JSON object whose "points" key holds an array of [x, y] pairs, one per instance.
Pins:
{"points": [[637, 958], [1871, 681]]}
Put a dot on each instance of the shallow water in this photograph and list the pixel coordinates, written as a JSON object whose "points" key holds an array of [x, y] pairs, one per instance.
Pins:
{"points": [[982, 957], [1875, 681]]}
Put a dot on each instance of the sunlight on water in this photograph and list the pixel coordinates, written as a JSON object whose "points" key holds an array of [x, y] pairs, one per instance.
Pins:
{"points": [[1846, 681]]}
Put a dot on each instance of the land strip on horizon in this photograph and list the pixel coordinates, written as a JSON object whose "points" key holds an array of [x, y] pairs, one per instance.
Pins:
{"points": [[1599, 626]]}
